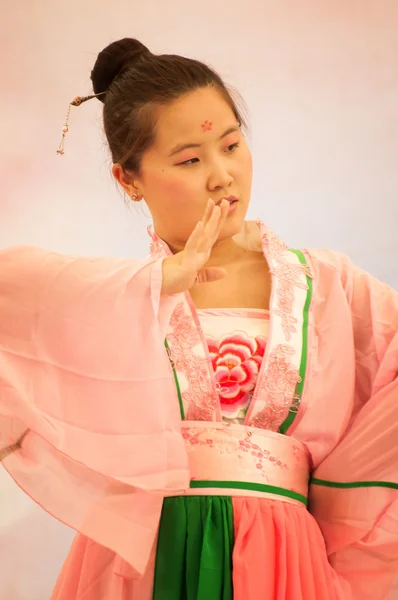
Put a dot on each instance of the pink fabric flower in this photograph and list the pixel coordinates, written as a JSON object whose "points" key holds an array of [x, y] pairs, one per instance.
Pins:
{"points": [[236, 362]]}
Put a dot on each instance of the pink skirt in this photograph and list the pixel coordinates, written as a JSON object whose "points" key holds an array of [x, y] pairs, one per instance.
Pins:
{"points": [[216, 547], [241, 531]]}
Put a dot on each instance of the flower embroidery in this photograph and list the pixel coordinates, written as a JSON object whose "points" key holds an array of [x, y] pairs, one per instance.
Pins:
{"points": [[236, 361], [155, 247], [199, 399], [280, 385], [230, 443]]}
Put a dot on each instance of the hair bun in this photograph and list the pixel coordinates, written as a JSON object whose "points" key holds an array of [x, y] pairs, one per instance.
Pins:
{"points": [[111, 61]]}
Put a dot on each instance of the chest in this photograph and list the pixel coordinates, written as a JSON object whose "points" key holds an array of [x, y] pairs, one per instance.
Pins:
{"points": [[246, 285], [281, 372], [276, 399]]}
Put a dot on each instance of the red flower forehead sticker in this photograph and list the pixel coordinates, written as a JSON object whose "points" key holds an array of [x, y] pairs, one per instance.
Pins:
{"points": [[207, 126]]}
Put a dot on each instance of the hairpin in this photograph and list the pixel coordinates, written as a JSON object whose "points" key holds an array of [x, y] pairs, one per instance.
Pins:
{"points": [[75, 102]]}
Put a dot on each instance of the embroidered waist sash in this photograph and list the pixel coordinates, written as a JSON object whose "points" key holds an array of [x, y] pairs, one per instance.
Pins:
{"points": [[236, 460]]}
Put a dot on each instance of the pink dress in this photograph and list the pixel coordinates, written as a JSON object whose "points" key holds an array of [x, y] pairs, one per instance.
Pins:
{"points": [[323, 405]]}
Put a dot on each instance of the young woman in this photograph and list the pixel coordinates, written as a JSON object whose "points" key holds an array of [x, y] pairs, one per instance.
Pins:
{"points": [[220, 420]]}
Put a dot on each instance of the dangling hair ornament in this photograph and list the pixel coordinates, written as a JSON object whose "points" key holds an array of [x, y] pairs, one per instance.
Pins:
{"points": [[75, 102]]}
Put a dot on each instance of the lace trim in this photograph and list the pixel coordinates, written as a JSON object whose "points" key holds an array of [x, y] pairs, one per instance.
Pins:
{"points": [[279, 377], [200, 399], [156, 247], [289, 276], [279, 385]]}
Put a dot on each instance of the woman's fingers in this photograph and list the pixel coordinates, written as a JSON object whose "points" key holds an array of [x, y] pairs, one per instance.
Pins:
{"points": [[206, 233], [212, 225], [210, 274], [200, 238], [195, 238], [208, 211], [217, 219], [224, 212], [213, 218]]}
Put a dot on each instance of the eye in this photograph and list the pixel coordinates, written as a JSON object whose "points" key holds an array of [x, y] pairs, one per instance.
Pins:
{"points": [[232, 147], [191, 161]]}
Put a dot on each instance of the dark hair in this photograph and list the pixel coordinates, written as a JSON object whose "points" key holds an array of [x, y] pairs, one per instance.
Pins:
{"points": [[136, 83]]}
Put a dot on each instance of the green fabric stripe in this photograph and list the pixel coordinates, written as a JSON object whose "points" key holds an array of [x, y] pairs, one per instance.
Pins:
{"points": [[176, 382], [304, 352], [194, 552], [354, 484], [243, 485]]}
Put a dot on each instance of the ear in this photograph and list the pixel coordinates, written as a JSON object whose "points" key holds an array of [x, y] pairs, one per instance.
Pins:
{"points": [[126, 181]]}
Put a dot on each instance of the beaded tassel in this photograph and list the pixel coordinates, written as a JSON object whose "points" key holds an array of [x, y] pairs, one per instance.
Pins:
{"points": [[75, 102], [65, 130]]}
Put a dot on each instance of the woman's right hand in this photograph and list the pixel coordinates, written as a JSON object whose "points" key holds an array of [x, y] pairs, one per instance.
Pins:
{"points": [[182, 270]]}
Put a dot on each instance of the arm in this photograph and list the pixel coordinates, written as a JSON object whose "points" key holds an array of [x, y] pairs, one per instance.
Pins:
{"points": [[354, 492], [79, 339], [86, 380]]}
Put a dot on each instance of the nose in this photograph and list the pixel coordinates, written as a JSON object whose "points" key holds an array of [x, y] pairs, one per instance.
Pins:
{"points": [[219, 177]]}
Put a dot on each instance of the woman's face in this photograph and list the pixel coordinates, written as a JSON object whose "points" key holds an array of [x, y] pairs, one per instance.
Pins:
{"points": [[199, 153]]}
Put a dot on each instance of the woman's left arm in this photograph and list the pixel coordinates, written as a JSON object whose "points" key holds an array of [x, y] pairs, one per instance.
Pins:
{"points": [[354, 491]]}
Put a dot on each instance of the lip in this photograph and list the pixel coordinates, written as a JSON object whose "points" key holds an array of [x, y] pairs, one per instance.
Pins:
{"points": [[232, 207]]}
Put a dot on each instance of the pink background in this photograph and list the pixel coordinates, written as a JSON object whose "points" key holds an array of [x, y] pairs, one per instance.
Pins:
{"points": [[321, 82]]}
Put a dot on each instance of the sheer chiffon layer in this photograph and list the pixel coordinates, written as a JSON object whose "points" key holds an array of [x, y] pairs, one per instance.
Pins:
{"points": [[78, 340], [214, 547]]}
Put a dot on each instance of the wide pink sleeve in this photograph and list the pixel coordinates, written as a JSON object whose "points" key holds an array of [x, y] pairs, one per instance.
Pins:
{"points": [[85, 378], [354, 491]]}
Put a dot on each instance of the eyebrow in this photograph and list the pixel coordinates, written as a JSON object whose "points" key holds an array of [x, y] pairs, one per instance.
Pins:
{"points": [[181, 147]]}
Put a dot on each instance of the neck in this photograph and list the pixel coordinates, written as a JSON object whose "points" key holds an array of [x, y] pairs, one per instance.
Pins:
{"points": [[224, 253]]}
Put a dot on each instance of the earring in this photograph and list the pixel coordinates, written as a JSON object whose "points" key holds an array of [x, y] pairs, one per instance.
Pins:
{"points": [[135, 198]]}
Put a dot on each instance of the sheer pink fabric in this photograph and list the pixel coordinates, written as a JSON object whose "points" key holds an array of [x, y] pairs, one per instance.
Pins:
{"points": [[279, 554], [78, 338], [93, 572], [360, 525]]}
